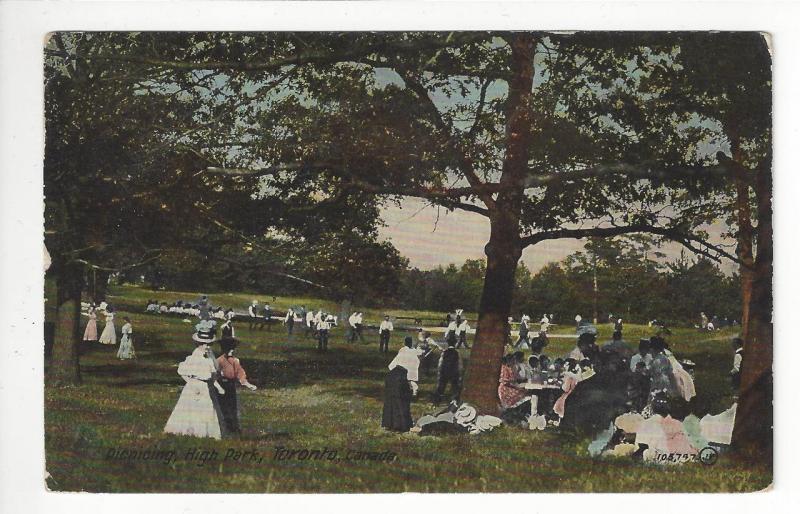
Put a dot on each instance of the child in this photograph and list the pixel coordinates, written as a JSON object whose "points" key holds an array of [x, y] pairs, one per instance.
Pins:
{"points": [[126, 343]]}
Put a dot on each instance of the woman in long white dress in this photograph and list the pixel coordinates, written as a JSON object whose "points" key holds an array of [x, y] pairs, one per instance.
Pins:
{"points": [[197, 412], [126, 343], [90, 334], [109, 335]]}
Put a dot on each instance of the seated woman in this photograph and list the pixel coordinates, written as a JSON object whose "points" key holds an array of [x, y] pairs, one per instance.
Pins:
{"points": [[661, 437], [682, 381], [536, 376], [570, 380], [515, 401]]}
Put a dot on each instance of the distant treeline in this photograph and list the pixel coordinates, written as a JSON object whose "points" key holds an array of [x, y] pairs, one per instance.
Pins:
{"points": [[634, 281]]}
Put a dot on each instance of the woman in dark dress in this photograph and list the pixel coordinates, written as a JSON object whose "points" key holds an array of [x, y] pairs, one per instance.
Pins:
{"points": [[397, 401]]}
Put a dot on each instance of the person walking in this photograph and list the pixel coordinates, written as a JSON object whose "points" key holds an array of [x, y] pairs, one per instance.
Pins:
{"points": [[323, 327], [253, 311], [109, 335], [90, 334], [126, 350], [231, 375], [197, 412], [462, 328], [449, 374], [385, 331]]}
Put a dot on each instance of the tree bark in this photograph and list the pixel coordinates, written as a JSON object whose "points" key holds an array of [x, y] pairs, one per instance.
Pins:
{"points": [[744, 236], [483, 373], [64, 366], [504, 248], [752, 433]]}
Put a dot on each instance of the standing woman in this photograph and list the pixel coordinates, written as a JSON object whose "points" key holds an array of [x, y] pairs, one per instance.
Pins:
{"points": [[397, 396], [231, 373], [126, 343], [90, 334], [400, 388], [197, 412], [109, 335]]}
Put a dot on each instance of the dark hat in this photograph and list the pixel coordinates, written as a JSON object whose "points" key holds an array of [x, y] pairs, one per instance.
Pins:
{"points": [[228, 344]]}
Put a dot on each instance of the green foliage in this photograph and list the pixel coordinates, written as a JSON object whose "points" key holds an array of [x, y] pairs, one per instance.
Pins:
{"points": [[633, 283]]}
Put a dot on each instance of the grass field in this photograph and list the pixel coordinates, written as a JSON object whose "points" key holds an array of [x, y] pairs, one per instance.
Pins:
{"points": [[308, 400]]}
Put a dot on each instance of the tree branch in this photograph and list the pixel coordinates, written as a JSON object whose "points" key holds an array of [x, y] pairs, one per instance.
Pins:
{"points": [[447, 131], [350, 53], [649, 171], [687, 239]]}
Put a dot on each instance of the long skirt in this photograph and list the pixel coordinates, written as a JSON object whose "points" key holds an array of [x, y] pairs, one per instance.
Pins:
{"points": [[126, 348], [197, 412], [397, 401], [229, 405], [90, 334], [109, 335]]}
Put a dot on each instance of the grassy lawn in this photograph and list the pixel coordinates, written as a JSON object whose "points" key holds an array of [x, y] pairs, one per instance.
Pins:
{"points": [[313, 401]]}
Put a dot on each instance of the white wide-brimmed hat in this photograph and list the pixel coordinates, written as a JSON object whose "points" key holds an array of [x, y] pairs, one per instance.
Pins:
{"points": [[465, 414], [205, 332]]}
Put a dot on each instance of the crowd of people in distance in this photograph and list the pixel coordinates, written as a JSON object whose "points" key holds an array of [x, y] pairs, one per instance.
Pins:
{"points": [[715, 322], [185, 308], [317, 325]]}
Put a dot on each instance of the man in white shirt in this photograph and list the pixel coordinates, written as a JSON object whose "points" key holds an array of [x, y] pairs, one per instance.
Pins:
{"points": [[323, 326], [359, 326], [253, 311], [288, 320], [310, 327], [544, 324], [351, 327], [385, 330], [461, 332]]}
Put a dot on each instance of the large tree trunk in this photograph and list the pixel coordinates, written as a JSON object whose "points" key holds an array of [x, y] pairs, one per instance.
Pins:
{"points": [[752, 433], [744, 236], [483, 373], [64, 367], [503, 250]]}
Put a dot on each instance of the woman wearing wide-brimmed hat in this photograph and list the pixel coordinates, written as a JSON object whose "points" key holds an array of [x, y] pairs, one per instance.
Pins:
{"points": [[197, 412], [231, 373]]}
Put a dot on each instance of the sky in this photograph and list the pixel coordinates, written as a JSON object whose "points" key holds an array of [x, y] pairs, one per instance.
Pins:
{"points": [[413, 228]]}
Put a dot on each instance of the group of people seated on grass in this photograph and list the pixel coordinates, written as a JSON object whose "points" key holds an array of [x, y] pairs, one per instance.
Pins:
{"points": [[185, 308], [715, 322], [637, 400]]}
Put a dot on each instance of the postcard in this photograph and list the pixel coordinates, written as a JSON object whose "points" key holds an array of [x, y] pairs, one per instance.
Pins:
{"points": [[378, 262]]}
